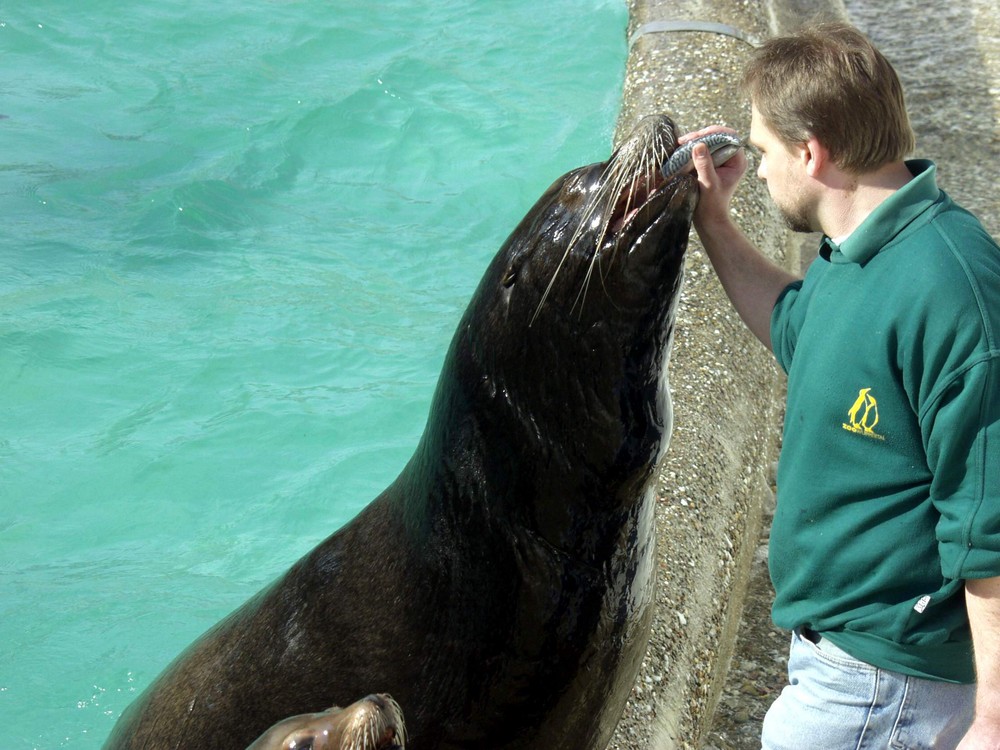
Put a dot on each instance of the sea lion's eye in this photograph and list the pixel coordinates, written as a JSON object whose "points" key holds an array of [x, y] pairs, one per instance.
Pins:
{"points": [[508, 279]]}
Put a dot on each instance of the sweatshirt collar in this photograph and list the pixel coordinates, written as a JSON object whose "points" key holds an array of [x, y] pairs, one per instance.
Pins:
{"points": [[889, 218]]}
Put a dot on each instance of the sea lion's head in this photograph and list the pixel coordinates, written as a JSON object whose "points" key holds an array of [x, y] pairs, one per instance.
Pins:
{"points": [[603, 239], [564, 346], [372, 723]]}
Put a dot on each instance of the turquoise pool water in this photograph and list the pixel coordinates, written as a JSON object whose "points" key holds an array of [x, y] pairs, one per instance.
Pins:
{"points": [[237, 238]]}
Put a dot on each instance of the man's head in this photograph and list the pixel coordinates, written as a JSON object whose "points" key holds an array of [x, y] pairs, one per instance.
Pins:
{"points": [[829, 82]]}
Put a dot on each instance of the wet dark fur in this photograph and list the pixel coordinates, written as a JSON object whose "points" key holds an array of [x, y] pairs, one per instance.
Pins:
{"points": [[501, 588]]}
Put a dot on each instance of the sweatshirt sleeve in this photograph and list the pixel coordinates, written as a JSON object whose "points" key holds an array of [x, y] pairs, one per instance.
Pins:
{"points": [[786, 320], [962, 435]]}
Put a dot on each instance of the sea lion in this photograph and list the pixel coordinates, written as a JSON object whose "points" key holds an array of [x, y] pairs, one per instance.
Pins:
{"points": [[372, 723], [501, 587]]}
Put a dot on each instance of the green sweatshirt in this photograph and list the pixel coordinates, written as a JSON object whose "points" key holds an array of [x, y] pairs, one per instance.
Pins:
{"points": [[889, 478]]}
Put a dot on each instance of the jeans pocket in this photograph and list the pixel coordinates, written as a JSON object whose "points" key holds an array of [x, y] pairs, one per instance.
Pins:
{"points": [[932, 715], [827, 703]]}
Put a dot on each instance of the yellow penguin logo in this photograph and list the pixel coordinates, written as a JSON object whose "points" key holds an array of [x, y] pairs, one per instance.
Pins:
{"points": [[863, 416]]}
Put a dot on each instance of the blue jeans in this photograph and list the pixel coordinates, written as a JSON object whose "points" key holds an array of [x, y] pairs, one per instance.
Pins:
{"points": [[835, 702]]}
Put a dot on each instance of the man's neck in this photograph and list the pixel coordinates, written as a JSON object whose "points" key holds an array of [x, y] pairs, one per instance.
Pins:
{"points": [[852, 198]]}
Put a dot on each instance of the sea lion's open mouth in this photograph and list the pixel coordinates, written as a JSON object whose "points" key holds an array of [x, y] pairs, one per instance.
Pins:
{"points": [[646, 197], [631, 200]]}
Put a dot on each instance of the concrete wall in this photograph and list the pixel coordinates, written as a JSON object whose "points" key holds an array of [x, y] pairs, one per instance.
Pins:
{"points": [[727, 391]]}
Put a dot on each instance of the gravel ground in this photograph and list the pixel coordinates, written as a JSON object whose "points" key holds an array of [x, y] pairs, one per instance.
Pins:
{"points": [[757, 670]]}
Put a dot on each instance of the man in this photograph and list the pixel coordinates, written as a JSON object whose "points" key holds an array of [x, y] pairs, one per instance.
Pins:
{"points": [[885, 545]]}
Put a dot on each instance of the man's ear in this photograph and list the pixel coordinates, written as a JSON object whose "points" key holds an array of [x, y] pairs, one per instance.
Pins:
{"points": [[815, 156]]}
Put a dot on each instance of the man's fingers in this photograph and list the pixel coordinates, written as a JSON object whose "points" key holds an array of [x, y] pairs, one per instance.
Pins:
{"points": [[705, 131], [702, 159]]}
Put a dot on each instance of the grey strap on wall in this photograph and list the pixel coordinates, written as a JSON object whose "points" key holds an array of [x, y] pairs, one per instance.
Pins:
{"points": [[661, 27]]}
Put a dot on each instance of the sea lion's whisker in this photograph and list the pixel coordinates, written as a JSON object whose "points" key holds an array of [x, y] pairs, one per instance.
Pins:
{"points": [[627, 180], [612, 192], [585, 220], [552, 281]]}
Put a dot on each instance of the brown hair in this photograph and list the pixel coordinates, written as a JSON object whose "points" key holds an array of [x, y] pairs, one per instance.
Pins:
{"points": [[830, 82]]}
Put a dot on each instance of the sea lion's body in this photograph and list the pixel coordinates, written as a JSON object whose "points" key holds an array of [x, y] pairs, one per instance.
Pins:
{"points": [[501, 588]]}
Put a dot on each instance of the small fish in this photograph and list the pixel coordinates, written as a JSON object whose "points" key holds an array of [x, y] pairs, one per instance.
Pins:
{"points": [[722, 147]]}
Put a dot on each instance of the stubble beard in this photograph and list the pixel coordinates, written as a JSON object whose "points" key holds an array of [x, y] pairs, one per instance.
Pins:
{"points": [[796, 222], [796, 217]]}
